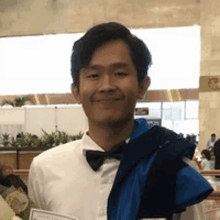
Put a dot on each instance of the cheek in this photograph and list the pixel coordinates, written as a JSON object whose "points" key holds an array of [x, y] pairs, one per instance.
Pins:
{"points": [[133, 91], [86, 92], [130, 85]]}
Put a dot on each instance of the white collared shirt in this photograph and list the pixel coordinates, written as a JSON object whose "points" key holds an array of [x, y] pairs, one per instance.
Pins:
{"points": [[62, 181]]}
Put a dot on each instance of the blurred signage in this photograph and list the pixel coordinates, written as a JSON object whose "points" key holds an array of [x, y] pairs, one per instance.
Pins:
{"points": [[154, 122], [141, 111]]}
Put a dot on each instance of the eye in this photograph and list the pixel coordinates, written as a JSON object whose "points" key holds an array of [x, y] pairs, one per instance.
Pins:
{"points": [[121, 74], [95, 75]]}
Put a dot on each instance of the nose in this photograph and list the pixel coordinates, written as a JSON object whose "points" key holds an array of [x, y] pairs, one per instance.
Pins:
{"points": [[107, 84]]}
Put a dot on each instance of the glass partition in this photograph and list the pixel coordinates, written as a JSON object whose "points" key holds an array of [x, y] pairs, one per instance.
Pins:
{"points": [[181, 117]]}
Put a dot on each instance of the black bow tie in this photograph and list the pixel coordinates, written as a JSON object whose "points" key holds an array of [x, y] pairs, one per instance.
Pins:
{"points": [[96, 158]]}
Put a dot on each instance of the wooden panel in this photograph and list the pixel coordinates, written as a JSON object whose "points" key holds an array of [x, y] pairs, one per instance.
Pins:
{"points": [[25, 159], [210, 172], [214, 196], [171, 95], [8, 159], [21, 172]]}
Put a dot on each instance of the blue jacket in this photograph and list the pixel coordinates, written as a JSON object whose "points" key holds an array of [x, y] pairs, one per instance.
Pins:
{"points": [[152, 180]]}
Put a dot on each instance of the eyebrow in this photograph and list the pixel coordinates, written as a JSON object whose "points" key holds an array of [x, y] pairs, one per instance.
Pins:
{"points": [[115, 65]]}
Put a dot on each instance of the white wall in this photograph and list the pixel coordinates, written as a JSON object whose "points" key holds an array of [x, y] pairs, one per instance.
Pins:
{"points": [[12, 120], [40, 118], [32, 119], [71, 119]]}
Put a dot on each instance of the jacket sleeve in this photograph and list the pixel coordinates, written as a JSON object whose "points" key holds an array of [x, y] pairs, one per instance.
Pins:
{"points": [[195, 212], [35, 184]]}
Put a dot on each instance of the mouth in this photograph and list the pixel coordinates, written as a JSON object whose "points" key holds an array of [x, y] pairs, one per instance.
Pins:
{"points": [[108, 100]]}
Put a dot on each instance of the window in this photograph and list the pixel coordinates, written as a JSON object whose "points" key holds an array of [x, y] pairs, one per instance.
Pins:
{"points": [[45, 60], [192, 109]]}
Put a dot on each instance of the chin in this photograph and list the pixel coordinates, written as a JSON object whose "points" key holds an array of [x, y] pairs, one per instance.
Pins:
{"points": [[114, 119]]}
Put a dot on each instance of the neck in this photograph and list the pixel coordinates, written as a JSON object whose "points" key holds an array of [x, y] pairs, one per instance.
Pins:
{"points": [[109, 135]]}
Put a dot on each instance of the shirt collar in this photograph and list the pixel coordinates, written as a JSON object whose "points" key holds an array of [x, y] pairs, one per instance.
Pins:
{"points": [[140, 127], [88, 144]]}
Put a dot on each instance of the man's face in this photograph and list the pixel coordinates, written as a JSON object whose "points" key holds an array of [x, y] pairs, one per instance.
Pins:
{"points": [[213, 138], [108, 87]]}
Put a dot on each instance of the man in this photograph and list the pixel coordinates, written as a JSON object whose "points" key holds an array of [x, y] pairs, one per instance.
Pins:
{"points": [[211, 142], [181, 134], [216, 151], [109, 70]]}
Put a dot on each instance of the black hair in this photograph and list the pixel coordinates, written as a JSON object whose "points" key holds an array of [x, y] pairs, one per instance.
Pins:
{"points": [[34, 136], [97, 36], [207, 154], [18, 135], [188, 137], [213, 135]]}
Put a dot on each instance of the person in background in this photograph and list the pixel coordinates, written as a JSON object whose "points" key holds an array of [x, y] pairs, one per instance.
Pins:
{"points": [[197, 158], [191, 138], [188, 137], [206, 157], [18, 136], [216, 151], [211, 142], [181, 135]]}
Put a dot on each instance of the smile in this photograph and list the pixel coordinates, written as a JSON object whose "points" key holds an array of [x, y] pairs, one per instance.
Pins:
{"points": [[108, 101]]}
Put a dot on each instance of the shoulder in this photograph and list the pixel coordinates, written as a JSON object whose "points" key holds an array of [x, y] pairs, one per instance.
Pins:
{"points": [[59, 153]]}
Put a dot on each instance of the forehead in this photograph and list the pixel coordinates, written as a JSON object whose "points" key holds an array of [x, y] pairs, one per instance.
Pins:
{"points": [[111, 53]]}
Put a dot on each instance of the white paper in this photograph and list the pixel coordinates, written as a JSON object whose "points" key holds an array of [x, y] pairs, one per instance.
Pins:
{"points": [[39, 214], [5, 210]]}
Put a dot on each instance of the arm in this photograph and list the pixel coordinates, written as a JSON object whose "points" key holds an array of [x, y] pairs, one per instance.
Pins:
{"points": [[35, 185], [207, 145], [194, 212]]}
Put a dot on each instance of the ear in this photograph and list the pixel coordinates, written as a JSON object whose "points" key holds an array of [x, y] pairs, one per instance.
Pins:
{"points": [[143, 87], [75, 92]]}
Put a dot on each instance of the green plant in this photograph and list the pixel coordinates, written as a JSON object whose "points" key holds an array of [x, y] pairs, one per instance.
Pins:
{"points": [[46, 140], [5, 140], [18, 102], [13, 142], [76, 137], [7, 102], [25, 140], [57, 138]]}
